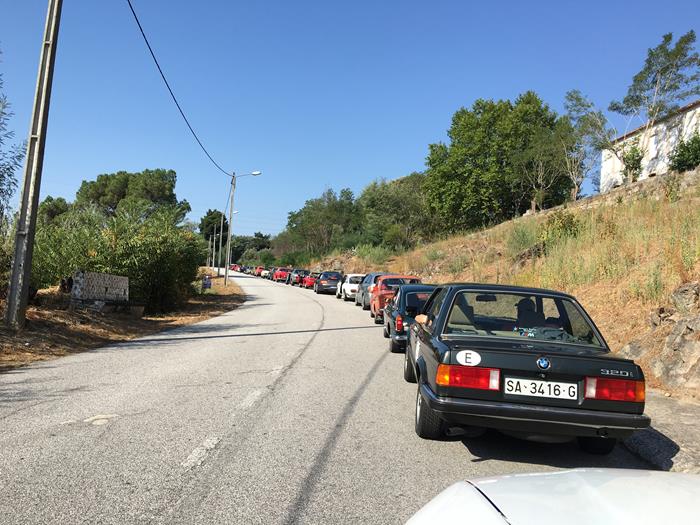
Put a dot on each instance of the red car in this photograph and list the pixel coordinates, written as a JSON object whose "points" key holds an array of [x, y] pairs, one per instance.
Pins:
{"points": [[281, 274], [384, 291], [310, 280], [258, 270], [235, 267]]}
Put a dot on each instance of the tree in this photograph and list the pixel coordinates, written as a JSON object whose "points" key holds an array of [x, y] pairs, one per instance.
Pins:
{"points": [[155, 188], [212, 222], [670, 76], [50, 209], [542, 166], [11, 157], [473, 180]]}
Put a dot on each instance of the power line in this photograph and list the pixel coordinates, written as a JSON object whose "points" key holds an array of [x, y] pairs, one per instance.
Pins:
{"points": [[150, 49]]}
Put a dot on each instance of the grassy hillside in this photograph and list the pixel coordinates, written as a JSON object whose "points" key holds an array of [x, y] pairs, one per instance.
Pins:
{"points": [[621, 259]]}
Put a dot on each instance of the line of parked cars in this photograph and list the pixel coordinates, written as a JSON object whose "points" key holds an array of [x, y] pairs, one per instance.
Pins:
{"points": [[528, 362]]}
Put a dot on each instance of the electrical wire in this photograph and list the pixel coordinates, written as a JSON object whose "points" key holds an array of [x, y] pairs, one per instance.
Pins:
{"points": [[167, 85]]}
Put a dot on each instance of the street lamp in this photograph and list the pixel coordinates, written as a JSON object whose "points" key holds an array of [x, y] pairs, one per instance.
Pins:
{"points": [[230, 219]]}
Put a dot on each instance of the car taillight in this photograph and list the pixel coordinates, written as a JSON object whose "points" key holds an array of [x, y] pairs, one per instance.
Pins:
{"points": [[399, 323], [324, 282], [615, 389], [468, 377]]}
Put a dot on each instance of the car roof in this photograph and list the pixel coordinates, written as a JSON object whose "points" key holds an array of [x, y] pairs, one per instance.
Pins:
{"points": [[398, 276], [417, 287], [485, 287]]}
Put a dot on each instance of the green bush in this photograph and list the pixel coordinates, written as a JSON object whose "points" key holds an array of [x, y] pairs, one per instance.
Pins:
{"points": [[522, 236], [686, 155], [373, 254], [560, 224], [159, 256], [632, 159]]}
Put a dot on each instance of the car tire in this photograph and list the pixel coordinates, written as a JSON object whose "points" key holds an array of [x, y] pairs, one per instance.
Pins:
{"points": [[365, 306], [409, 374], [378, 320], [599, 446], [345, 297], [385, 333], [395, 347], [429, 425]]}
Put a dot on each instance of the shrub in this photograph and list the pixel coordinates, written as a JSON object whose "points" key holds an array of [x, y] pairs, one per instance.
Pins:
{"points": [[373, 254], [521, 237], [632, 159], [672, 187], [686, 155], [159, 257], [560, 224]]}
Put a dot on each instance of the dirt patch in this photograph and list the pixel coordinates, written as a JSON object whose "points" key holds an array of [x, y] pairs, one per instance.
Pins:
{"points": [[53, 330]]}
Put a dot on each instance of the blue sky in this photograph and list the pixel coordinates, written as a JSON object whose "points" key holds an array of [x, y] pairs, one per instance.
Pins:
{"points": [[315, 94]]}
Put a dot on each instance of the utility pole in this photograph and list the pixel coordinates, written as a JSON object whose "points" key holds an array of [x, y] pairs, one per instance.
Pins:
{"points": [[209, 253], [18, 293], [230, 220], [221, 238], [213, 251]]}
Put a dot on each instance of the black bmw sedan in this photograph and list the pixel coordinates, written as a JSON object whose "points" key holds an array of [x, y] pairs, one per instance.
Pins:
{"points": [[526, 361]]}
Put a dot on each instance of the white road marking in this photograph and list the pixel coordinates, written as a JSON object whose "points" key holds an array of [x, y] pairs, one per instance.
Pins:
{"points": [[251, 398], [199, 454], [100, 419]]}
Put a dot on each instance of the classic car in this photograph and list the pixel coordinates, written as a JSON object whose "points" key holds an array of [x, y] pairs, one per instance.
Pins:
{"points": [[400, 312], [327, 282], [526, 361], [384, 290], [347, 287]]}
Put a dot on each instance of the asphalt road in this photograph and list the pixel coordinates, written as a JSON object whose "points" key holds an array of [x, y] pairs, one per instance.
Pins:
{"points": [[289, 409]]}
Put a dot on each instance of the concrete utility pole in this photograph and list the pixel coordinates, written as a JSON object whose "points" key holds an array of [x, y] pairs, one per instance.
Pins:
{"points": [[228, 237], [221, 238], [18, 293], [209, 253], [213, 251]]}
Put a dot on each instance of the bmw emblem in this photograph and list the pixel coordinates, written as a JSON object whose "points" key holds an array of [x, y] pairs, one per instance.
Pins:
{"points": [[543, 363]]}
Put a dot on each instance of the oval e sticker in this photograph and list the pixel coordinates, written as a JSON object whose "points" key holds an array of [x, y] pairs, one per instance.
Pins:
{"points": [[468, 358]]}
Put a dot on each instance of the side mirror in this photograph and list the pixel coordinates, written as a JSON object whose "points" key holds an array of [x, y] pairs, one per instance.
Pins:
{"points": [[421, 319]]}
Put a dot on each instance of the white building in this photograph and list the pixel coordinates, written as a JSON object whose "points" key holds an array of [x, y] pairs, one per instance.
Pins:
{"points": [[658, 142]]}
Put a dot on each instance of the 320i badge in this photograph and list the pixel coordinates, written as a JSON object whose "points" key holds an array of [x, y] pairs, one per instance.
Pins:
{"points": [[526, 361]]}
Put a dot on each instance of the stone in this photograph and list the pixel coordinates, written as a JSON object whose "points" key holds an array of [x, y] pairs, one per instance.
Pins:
{"points": [[678, 364], [686, 298], [633, 350]]}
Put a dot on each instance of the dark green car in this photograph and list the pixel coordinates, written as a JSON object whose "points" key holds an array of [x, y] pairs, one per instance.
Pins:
{"points": [[399, 313]]}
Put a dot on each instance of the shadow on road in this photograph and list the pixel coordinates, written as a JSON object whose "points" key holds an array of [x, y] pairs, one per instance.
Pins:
{"points": [[227, 327], [496, 446], [298, 507]]}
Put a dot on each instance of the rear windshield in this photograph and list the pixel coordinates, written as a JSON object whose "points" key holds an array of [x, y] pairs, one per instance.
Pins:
{"points": [[356, 279], [393, 281], [416, 300], [530, 317], [331, 275]]}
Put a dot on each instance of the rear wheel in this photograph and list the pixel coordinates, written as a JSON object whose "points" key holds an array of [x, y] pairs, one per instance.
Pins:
{"points": [[409, 374], [428, 422], [365, 306], [345, 297], [395, 347], [378, 319], [386, 331], [597, 445]]}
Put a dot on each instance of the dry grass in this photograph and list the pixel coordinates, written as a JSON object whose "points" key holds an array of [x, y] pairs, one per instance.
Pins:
{"points": [[53, 331], [623, 261]]}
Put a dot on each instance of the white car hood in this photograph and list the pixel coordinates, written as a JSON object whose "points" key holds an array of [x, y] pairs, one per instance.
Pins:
{"points": [[574, 497]]}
